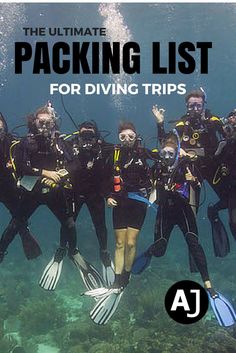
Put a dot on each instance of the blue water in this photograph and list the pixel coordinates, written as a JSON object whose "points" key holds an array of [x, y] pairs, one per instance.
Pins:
{"points": [[136, 327]]}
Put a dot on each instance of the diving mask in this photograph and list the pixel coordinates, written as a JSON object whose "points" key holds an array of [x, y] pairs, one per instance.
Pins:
{"points": [[44, 125], [127, 137], [168, 155], [87, 139], [195, 106]]}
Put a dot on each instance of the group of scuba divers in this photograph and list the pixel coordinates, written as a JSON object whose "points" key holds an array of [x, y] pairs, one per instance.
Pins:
{"points": [[64, 172]]}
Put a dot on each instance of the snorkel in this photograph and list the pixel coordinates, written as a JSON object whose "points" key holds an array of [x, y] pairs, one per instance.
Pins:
{"points": [[178, 149], [51, 109], [205, 95]]}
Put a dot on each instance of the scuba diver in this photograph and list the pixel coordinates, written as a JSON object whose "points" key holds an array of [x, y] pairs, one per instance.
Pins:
{"points": [[200, 133], [174, 177], [41, 161], [89, 177], [128, 197], [224, 178], [10, 197]]}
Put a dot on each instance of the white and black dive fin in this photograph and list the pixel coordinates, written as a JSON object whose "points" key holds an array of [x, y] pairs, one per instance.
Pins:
{"points": [[90, 276], [53, 270], [106, 307]]}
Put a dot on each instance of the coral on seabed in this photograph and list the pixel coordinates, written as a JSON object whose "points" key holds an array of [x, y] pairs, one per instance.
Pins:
{"points": [[140, 324], [39, 317], [81, 332]]}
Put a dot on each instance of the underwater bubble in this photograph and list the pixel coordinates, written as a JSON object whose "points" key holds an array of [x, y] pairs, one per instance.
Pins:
{"points": [[116, 31], [114, 22], [12, 19]]}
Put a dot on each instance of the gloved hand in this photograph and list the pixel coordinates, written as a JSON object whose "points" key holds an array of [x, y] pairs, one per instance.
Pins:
{"points": [[111, 202], [51, 174], [158, 113], [189, 176], [49, 182]]}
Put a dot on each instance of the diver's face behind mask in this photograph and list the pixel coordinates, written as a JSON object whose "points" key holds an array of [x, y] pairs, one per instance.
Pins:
{"points": [[87, 138], [45, 124], [230, 127], [195, 107], [127, 137], [168, 155], [232, 120], [2, 131]]}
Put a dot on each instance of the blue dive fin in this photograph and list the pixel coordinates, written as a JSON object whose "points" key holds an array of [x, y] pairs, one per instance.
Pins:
{"points": [[136, 196], [223, 310], [141, 263]]}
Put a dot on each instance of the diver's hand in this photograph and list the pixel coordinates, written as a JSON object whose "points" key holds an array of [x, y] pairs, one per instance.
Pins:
{"points": [[111, 202], [182, 153], [51, 174], [189, 176], [49, 182], [220, 147], [158, 113]]}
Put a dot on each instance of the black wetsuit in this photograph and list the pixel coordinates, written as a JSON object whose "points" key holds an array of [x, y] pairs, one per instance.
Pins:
{"points": [[201, 137], [89, 178], [135, 175], [10, 196], [225, 179], [33, 154], [8, 188], [174, 209]]}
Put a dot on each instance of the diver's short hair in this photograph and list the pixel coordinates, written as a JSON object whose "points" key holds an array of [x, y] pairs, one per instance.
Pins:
{"points": [[89, 124], [170, 141], [42, 110], [125, 125], [195, 93]]}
